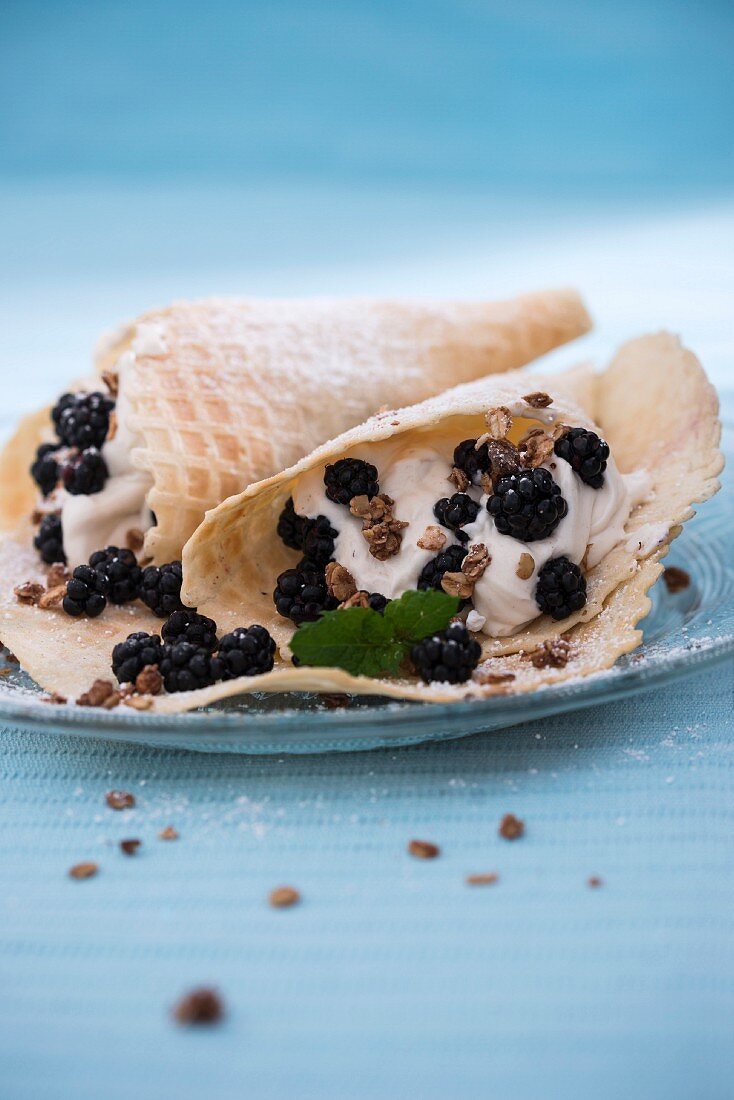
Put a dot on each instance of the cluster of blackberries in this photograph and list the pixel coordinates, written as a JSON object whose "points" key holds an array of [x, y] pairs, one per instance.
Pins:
{"points": [[527, 506], [448, 657], [82, 422], [455, 512], [560, 589], [448, 561], [586, 453], [314, 538], [348, 478], [112, 575], [190, 656], [49, 542]]}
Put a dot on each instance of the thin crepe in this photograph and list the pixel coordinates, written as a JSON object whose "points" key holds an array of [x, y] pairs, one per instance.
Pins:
{"points": [[227, 392], [658, 412], [654, 406]]}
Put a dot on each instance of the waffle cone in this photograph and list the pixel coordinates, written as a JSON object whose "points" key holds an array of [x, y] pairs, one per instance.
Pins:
{"points": [[227, 392]]}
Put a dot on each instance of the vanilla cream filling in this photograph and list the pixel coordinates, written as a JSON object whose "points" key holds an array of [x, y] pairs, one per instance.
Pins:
{"points": [[414, 474], [104, 519]]}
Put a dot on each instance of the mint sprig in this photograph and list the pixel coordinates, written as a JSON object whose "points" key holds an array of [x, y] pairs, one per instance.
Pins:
{"points": [[367, 643]]}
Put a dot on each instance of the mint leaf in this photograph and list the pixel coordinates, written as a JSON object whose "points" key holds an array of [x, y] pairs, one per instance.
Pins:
{"points": [[417, 614], [365, 643], [357, 639]]}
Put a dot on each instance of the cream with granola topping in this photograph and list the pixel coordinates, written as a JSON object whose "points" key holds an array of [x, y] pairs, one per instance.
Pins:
{"points": [[415, 474], [107, 518], [103, 519]]}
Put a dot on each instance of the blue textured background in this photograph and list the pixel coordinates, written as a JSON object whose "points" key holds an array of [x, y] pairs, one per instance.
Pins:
{"points": [[150, 150]]}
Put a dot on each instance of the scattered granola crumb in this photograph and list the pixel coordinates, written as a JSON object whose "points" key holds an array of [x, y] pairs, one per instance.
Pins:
{"points": [[504, 458], [482, 676], [283, 897], [553, 653], [536, 448], [525, 567], [538, 400], [381, 530], [54, 699], [487, 879], [458, 478], [334, 700], [130, 847], [433, 538], [134, 539], [102, 693], [456, 584], [487, 484], [169, 833], [83, 870], [359, 599], [57, 574], [112, 429], [595, 882], [111, 380], [200, 1006], [511, 827], [499, 421], [339, 582], [423, 849], [29, 592], [149, 681], [138, 702], [675, 578], [52, 597], [120, 800], [476, 561]]}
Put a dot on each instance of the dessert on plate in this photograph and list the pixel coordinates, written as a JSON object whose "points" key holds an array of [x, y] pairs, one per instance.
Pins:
{"points": [[188, 405], [500, 536]]}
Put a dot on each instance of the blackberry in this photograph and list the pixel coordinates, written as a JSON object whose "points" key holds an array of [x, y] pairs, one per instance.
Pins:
{"points": [[85, 473], [290, 526], [350, 477], [586, 453], [49, 541], [86, 592], [318, 540], [474, 462], [160, 588], [185, 667], [45, 468], [131, 656], [247, 651], [455, 512], [527, 505], [496, 457], [82, 420], [377, 602], [449, 657], [301, 594], [561, 588], [448, 561], [122, 571], [189, 626]]}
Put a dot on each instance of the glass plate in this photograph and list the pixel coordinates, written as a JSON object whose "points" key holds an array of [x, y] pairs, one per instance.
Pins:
{"points": [[683, 633]]}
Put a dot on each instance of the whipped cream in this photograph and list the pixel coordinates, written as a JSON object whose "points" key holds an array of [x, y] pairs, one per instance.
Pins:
{"points": [[415, 473], [103, 519]]}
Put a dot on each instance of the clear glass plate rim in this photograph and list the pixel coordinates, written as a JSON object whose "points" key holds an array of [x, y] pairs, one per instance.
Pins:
{"points": [[621, 680]]}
